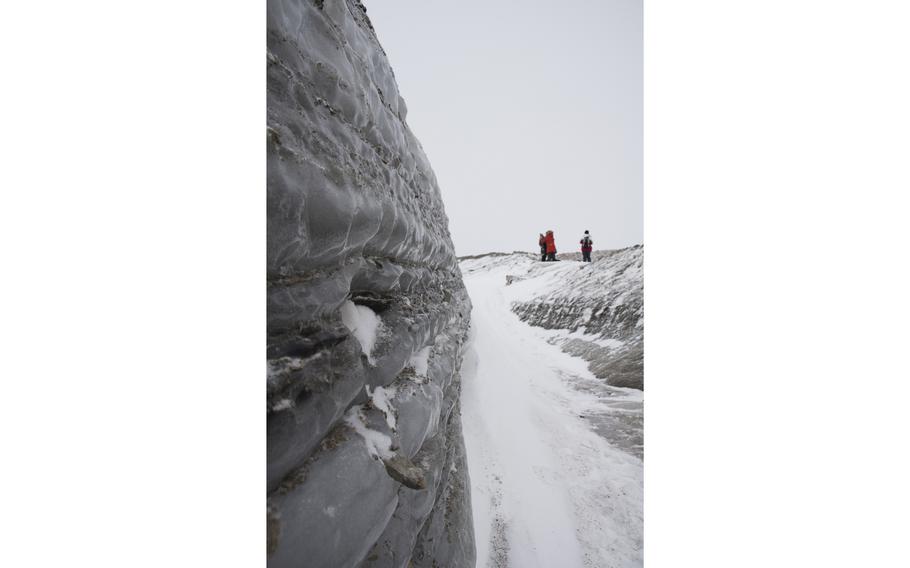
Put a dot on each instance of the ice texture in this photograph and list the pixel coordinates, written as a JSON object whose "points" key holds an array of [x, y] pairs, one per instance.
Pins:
{"points": [[367, 313]]}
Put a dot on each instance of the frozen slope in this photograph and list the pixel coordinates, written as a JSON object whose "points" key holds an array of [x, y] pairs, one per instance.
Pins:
{"points": [[595, 310], [554, 452]]}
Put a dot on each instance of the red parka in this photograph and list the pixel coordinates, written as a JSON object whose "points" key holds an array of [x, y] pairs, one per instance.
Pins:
{"points": [[551, 243]]}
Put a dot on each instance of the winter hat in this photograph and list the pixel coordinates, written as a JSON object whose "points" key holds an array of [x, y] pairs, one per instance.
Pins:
{"points": [[586, 232]]}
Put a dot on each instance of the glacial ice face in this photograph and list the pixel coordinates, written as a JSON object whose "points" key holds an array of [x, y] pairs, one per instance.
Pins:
{"points": [[366, 309]]}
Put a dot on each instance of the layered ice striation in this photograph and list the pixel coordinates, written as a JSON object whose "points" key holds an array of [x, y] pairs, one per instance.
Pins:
{"points": [[367, 311], [592, 310]]}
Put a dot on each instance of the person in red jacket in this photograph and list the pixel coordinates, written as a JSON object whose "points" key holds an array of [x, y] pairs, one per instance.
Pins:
{"points": [[586, 246], [551, 246], [542, 241]]}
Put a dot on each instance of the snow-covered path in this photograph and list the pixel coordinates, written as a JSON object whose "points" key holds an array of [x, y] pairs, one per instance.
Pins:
{"points": [[547, 489]]}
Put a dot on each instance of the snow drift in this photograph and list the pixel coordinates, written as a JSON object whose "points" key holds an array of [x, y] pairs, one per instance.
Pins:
{"points": [[366, 307]]}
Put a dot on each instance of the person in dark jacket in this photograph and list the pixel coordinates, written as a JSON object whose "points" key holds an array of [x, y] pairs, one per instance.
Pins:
{"points": [[587, 245], [551, 246], [542, 241]]}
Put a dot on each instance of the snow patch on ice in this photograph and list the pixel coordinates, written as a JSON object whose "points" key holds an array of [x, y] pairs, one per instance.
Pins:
{"points": [[283, 404], [620, 300], [382, 400], [608, 342], [558, 336], [378, 444], [421, 361], [364, 324], [283, 365]]}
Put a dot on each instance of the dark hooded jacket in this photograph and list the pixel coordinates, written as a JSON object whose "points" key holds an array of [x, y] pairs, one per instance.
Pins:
{"points": [[586, 243]]}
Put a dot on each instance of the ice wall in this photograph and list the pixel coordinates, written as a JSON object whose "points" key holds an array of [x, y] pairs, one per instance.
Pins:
{"points": [[367, 311]]}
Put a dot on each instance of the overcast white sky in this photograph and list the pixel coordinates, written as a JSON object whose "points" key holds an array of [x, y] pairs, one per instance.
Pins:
{"points": [[530, 113]]}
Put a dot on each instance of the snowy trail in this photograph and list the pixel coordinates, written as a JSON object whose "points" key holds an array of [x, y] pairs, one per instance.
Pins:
{"points": [[547, 489]]}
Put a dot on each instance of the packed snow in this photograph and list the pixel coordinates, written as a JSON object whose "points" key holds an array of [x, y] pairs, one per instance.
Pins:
{"points": [[364, 324], [283, 404], [382, 399], [421, 361], [554, 452], [377, 444]]}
